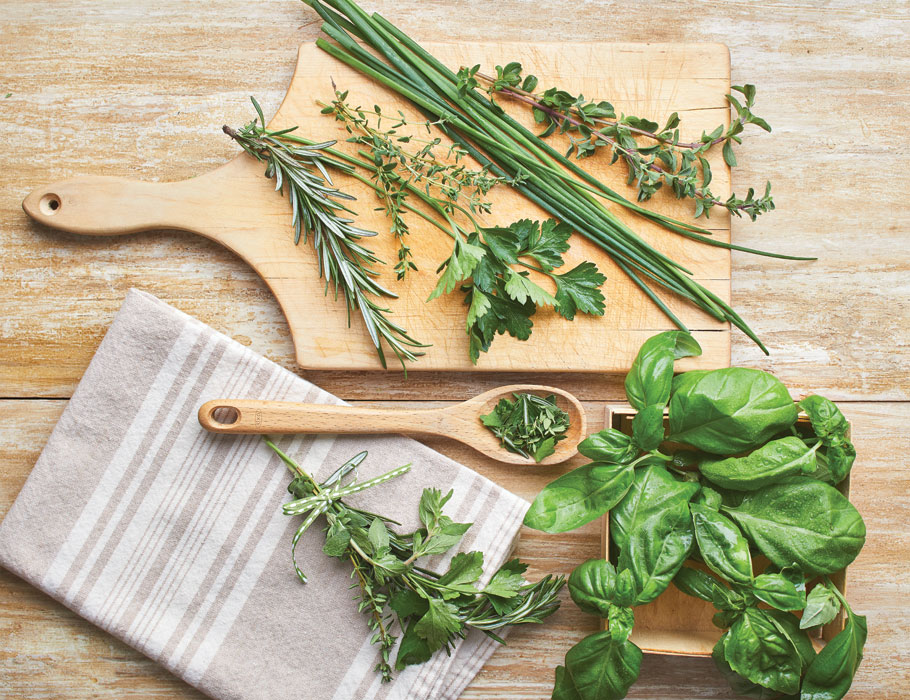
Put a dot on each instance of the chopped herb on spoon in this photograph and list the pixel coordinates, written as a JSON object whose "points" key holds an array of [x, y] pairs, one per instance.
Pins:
{"points": [[530, 425]]}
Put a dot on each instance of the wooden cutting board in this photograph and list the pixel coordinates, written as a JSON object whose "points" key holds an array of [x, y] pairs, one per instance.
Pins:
{"points": [[236, 206]]}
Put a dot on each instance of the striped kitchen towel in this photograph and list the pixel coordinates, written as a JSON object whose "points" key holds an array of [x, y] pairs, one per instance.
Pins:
{"points": [[173, 540]]}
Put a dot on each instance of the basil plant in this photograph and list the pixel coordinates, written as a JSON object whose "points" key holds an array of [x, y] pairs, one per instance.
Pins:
{"points": [[727, 476]]}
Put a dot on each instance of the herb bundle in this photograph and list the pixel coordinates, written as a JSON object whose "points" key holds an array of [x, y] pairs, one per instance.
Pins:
{"points": [[662, 159], [735, 476], [509, 150], [432, 611], [530, 425], [318, 211]]}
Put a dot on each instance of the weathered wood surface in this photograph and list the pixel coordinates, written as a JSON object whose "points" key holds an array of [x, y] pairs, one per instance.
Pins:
{"points": [[47, 651], [142, 90]]}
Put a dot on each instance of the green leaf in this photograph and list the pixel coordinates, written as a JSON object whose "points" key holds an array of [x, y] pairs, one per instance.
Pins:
{"points": [[406, 603], [653, 491], [698, 584], [438, 624], [592, 585], [656, 550], [648, 427], [507, 580], [336, 545], [738, 684], [730, 410], [620, 622], [579, 497], [778, 591], [722, 545], [379, 537], [598, 668], [757, 650], [609, 445], [803, 523], [465, 569], [788, 625], [729, 156], [769, 463], [457, 268], [651, 376], [480, 306], [579, 290], [521, 288], [830, 676], [547, 243], [504, 243], [826, 418], [822, 606], [413, 650], [430, 508]]}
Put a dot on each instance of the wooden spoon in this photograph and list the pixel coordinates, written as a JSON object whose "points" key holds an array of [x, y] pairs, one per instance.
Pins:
{"points": [[460, 422]]}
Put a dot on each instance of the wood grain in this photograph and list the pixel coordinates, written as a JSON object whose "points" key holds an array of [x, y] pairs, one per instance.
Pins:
{"points": [[237, 207], [141, 91]]}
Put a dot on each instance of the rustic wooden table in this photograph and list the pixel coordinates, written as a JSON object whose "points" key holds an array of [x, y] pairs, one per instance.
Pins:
{"points": [[141, 90]]}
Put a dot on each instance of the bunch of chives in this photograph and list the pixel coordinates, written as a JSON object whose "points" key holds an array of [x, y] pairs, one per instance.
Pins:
{"points": [[509, 149]]}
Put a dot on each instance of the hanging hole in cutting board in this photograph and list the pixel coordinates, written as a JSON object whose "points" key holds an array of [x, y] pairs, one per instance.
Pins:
{"points": [[49, 204]]}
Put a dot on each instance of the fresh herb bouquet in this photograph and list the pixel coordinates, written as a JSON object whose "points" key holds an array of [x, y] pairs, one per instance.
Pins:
{"points": [[735, 476], [432, 610]]}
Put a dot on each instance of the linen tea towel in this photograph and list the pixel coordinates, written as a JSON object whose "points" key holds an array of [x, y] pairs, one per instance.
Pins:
{"points": [[172, 538]]}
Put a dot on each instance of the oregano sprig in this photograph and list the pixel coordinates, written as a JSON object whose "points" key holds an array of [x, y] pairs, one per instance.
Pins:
{"points": [[661, 160], [430, 611]]}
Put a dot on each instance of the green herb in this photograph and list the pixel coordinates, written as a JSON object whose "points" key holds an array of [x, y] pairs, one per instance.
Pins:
{"points": [[663, 159], [663, 510], [405, 163], [530, 425], [511, 151], [432, 610], [492, 269], [318, 210]]}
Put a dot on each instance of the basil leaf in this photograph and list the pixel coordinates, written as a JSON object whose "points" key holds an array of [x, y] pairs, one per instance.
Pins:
{"points": [[730, 410], [771, 462], [757, 650], [831, 674], [598, 668], [721, 545], [624, 593], [778, 591], [697, 584], [656, 550], [840, 460], [822, 606], [651, 375], [579, 497], [802, 523], [738, 684], [620, 622], [788, 625], [653, 491], [648, 427], [608, 445], [826, 418], [708, 497], [591, 586]]}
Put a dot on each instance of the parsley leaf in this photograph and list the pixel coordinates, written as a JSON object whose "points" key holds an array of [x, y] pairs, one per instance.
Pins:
{"points": [[439, 624], [579, 290], [547, 244]]}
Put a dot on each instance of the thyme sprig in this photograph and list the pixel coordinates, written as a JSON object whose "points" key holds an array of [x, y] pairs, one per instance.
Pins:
{"points": [[432, 611], [438, 170], [663, 160], [318, 209]]}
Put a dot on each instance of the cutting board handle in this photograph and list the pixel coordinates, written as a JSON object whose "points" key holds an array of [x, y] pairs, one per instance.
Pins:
{"points": [[103, 206]]}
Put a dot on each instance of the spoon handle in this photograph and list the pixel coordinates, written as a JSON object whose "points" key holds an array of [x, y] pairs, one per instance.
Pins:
{"points": [[247, 416]]}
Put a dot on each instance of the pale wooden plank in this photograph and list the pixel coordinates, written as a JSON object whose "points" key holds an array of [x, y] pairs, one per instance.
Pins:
{"points": [[48, 647]]}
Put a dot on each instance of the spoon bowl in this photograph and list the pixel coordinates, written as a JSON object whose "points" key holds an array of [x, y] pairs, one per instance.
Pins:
{"points": [[460, 422]]}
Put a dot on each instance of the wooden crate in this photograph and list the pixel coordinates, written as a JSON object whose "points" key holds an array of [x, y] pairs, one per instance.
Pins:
{"points": [[678, 624]]}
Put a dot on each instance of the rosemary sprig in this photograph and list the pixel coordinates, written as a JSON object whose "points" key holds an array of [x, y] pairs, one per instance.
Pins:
{"points": [[318, 210], [664, 159], [431, 610]]}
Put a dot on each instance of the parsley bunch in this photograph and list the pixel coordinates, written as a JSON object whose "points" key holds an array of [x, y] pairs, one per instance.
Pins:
{"points": [[502, 299], [530, 425], [431, 610]]}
